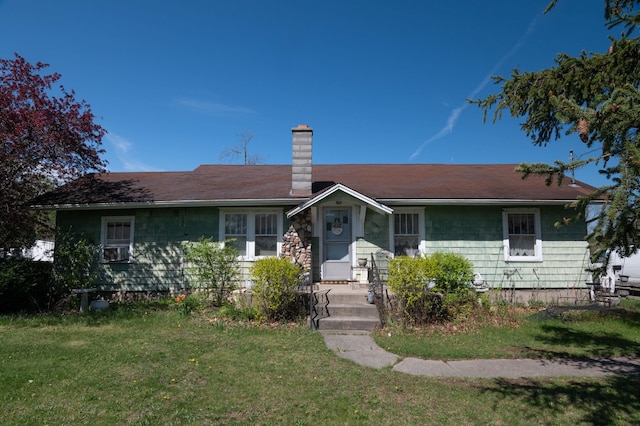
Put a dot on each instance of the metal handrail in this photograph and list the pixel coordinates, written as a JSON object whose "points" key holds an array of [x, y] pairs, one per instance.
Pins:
{"points": [[319, 308], [377, 285]]}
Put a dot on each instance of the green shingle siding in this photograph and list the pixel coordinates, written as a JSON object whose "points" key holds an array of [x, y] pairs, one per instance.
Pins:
{"points": [[159, 237], [476, 232], [376, 235], [158, 244]]}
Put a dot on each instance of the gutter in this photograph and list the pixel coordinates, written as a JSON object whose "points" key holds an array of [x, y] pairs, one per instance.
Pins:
{"points": [[473, 202], [181, 203], [297, 201]]}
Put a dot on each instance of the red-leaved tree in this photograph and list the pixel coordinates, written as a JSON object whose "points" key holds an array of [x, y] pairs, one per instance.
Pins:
{"points": [[47, 137]]}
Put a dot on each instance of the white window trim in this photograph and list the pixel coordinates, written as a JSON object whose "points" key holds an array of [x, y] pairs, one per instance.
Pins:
{"points": [[250, 247], [537, 257], [422, 243], [103, 236]]}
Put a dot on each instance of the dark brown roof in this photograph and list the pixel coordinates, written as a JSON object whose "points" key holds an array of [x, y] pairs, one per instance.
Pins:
{"points": [[265, 182]]}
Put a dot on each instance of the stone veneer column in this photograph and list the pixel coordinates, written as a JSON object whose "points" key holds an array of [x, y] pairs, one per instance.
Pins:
{"points": [[296, 244]]}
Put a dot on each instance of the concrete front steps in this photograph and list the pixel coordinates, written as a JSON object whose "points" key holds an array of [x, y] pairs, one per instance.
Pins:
{"points": [[348, 309]]}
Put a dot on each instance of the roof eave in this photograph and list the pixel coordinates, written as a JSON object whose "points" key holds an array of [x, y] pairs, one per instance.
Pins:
{"points": [[370, 202], [381, 205], [469, 201], [180, 203]]}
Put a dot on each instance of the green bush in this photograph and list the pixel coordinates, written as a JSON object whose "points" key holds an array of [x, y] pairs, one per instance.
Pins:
{"points": [[215, 268], [432, 288], [274, 290], [26, 286], [75, 262], [451, 272]]}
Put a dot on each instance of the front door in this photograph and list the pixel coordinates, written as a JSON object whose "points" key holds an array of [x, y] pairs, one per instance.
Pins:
{"points": [[337, 244]]}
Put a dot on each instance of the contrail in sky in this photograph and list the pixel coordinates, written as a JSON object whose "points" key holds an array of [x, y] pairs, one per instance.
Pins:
{"points": [[455, 113]]}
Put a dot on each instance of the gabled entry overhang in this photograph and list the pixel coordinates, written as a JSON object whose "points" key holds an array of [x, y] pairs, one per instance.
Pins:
{"points": [[368, 201]]}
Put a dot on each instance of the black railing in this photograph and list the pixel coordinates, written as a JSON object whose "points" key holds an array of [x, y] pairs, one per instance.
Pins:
{"points": [[319, 307], [379, 275]]}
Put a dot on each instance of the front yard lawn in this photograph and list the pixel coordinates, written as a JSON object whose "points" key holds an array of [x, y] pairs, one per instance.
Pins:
{"points": [[508, 332], [140, 365]]}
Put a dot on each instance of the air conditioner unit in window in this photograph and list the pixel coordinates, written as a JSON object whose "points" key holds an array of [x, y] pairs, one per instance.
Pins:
{"points": [[115, 254]]}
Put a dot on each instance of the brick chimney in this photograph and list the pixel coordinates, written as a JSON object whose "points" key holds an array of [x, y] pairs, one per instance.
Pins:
{"points": [[301, 161]]}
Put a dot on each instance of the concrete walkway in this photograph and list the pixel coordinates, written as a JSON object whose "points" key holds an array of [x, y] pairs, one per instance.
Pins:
{"points": [[359, 347]]}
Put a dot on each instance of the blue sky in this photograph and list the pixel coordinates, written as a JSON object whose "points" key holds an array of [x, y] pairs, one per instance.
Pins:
{"points": [[175, 82]]}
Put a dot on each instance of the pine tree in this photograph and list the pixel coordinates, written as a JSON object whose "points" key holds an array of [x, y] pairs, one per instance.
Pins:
{"points": [[595, 96]]}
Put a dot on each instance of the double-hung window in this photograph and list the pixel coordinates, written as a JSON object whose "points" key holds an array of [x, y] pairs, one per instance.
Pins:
{"points": [[253, 234], [117, 238], [408, 233], [522, 240], [266, 231], [235, 230]]}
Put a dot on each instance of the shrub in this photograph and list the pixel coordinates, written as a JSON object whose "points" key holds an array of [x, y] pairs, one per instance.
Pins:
{"points": [[215, 268], [274, 290], [451, 272], [26, 285], [432, 288], [410, 280], [75, 262]]}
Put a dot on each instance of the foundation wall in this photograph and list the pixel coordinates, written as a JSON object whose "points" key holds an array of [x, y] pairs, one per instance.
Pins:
{"points": [[550, 296]]}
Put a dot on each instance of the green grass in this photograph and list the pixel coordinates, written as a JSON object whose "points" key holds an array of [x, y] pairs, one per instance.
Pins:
{"points": [[141, 365], [524, 333]]}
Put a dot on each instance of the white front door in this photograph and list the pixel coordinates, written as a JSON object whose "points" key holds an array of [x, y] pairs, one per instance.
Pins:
{"points": [[336, 236]]}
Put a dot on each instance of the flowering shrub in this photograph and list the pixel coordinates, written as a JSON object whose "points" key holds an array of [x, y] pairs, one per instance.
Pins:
{"points": [[187, 304]]}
